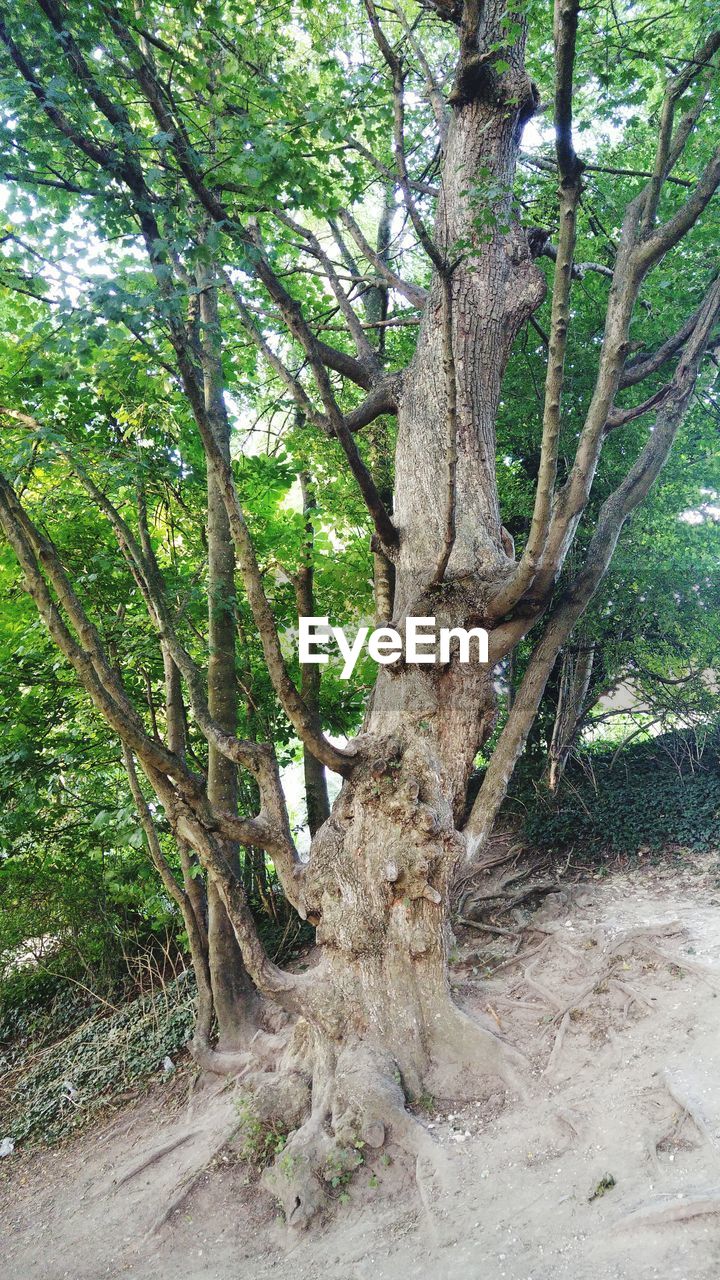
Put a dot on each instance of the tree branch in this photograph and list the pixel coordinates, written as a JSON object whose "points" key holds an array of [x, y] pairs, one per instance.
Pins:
{"points": [[613, 515], [398, 82], [364, 350], [665, 237], [412, 292], [439, 106], [550, 166], [644, 365], [636, 256], [423, 188], [87, 658], [579, 269], [262, 613], [619, 417], [570, 169], [383, 399], [669, 146], [270, 829]]}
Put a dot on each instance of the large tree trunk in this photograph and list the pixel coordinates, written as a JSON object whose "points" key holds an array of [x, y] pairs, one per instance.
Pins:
{"points": [[383, 1024]]}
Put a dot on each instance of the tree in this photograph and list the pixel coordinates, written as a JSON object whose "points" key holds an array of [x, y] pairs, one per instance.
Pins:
{"points": [[651, 628], [221, 160]]}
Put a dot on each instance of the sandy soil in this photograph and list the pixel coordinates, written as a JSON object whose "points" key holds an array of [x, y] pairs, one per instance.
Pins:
{"points": [[609, 1168]]}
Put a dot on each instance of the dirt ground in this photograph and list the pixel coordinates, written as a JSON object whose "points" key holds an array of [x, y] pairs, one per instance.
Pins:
{"points": [[608, 1168]]}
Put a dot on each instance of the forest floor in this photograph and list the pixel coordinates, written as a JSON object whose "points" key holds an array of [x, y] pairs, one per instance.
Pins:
{"points": [[609, 1168]]}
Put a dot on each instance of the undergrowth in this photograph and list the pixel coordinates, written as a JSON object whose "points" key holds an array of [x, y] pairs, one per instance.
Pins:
{"points": [[259, 1140], [660, 793], [61, 1077]]}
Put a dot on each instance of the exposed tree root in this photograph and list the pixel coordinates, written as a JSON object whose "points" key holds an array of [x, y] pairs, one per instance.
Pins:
{"points": [[521, 956], [263, 1047], [357, 1104], [484, 927], [519, 1004], [156, 1155], [690, 1104], [557, 1047], [219, 1063], [598, 979], [465, 1053], [680, 962], [571, 1121], [342, 1105], [674, 1209], [633, 996], [604, 973], [491, 887], [548, 996], [504, 898], [180, 1198], [645, 934], [188, 1184]]}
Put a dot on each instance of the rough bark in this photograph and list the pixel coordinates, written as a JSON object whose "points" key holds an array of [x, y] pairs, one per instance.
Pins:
{"points": [[377, 884], [494, 289]]}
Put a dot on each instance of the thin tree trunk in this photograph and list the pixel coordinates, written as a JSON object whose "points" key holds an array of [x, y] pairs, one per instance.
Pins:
{"points": [[234, 996], [376, 312], [575, 672], [316, 792]]}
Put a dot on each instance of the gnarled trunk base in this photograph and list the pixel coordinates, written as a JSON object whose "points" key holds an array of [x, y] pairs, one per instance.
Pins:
{"points": [[350, 1100], [381, 1033]]}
